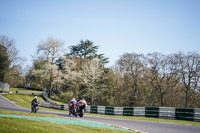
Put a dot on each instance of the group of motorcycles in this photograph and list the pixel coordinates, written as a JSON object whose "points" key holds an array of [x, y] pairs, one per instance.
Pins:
{"points": [[77, 110]]}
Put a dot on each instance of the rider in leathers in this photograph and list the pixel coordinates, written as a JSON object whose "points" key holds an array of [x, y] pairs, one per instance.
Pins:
{"points": [[34, 101]]}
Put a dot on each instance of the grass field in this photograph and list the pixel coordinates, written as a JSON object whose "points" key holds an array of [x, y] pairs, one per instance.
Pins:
{"points": [[21, 99], [25, 101], [24, 90], [32, 91], [2, 111], [12, 125]]}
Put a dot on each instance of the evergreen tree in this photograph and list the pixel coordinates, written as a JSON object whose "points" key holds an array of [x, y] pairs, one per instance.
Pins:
{"points": [[87, 49], [4, 63]]}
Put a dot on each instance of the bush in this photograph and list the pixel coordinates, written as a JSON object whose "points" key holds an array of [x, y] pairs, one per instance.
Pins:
{"points": [[66, 96]]}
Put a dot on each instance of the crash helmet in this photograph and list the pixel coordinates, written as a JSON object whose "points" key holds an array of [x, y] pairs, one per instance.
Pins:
{"points": [[35, 97], [82, 99]]}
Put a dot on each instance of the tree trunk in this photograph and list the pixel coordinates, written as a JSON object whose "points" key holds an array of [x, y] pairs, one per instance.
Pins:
{"points": [[92, 95], [162, 100], [135, 93], [50, 85], [186, 98]]}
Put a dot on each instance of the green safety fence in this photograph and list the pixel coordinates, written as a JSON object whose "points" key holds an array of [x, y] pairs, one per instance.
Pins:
{"points": [[109, 110], [185, 114], [152, 112], [93, 109], [62, 107], [155, 112], [128, 111]]}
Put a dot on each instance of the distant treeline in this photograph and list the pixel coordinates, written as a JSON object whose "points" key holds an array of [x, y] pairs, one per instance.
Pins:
{"points": [[136, 79]]}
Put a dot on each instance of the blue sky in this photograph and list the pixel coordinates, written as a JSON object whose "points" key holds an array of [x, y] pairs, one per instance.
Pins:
{"points": [[116, 26]]}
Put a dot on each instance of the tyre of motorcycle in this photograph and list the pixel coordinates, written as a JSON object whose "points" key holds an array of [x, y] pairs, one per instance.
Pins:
{"points": [[69, 112], [73, 111], [36, 109], [81, 113], [32, 108]]}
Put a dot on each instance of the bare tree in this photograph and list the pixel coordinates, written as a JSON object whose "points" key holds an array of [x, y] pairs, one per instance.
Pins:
{"points": [[133, 65], [162, 75], [189, 73], [50, 49], [117, 85]]}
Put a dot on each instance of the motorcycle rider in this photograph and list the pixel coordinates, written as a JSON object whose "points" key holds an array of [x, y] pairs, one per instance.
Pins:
{"points": [[73, 101], [34, 101], [83, 102]]}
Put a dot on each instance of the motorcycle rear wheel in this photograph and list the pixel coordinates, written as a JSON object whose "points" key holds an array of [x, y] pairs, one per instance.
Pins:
{"points": [[81, 113]]}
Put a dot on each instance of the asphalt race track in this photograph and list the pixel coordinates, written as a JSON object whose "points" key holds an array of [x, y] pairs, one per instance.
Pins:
{"points": [[146, 126]]}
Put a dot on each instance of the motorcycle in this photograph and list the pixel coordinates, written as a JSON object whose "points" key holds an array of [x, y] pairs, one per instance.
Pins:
{"points": [[81, 109], [72, 109], [35, 107]]}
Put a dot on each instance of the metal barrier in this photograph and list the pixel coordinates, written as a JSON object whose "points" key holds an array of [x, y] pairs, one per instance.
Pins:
{"points": [[101, 109], [197, 114], [109, 110], [93, 109], [184, 114], [139, 111], [167, 113], [191, 114], [152, 112], [128, 111], [118, 110]]}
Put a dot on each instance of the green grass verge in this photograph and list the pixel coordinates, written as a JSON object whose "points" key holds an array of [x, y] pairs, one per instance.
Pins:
{"points": [[56, 101], [21, 99], [11, 125], [25, 101], [24, 90], [33, 91], [2, 111]]}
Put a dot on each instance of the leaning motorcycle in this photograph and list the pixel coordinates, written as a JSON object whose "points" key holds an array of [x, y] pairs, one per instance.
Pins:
{"points": [[72, 109], [35, 107], [81, 110]]}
